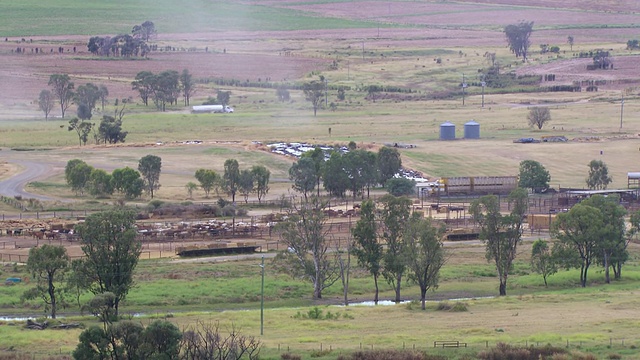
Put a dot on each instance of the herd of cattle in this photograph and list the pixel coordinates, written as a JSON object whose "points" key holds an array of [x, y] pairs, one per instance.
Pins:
{"points": [[152, 232]]}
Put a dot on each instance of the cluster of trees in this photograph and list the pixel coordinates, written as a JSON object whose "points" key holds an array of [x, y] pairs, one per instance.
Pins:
{"points": [[545, 48], [414, 250], [353, 171], [124, 45], [234, 180], [86, 96], [592, 232], [164, 88], [534, 176], [130, 183], [108, 132], [111, 252], [518, 38]]}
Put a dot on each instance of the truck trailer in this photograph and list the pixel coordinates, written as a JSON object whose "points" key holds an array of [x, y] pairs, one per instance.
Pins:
{"points": [[199, 109]]}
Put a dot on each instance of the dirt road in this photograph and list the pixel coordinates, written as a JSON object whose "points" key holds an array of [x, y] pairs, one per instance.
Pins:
{"points": [[31, 171]]}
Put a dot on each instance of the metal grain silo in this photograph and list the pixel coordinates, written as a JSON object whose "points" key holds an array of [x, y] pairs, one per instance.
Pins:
{"points": [[447, 131], [472, 130]]}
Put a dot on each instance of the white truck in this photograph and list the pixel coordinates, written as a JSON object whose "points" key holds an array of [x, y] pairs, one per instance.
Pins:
{"points": [[211, 109]]}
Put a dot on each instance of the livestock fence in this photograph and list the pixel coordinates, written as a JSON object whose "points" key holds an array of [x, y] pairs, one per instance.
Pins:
{"points": [[612, 346]]}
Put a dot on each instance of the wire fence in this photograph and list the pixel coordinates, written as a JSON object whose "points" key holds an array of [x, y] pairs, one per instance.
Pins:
{"points": [[429, 346]]}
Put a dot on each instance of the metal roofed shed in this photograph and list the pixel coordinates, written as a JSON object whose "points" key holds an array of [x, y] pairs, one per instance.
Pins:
{"points": [[633, 179], [447, 131], [472, 130]]}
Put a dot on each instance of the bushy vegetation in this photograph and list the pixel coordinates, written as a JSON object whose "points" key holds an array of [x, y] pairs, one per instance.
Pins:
{"points": [[390, 355], [507, 352], [315, 313]]}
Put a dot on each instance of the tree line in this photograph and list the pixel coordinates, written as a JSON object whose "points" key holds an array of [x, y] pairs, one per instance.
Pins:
{"points": [[63, 91], [124, 45], [164, 88], [354, 170], [130, 183], [413, 248], [233, 181], [86, 97]]}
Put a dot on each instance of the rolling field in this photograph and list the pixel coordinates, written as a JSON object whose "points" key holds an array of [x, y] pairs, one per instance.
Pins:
{"points": [[422, 47]]}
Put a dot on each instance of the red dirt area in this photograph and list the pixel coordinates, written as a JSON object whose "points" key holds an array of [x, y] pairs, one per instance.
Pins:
{"points": [[541, 12], [625, 6], [624, 74], [24, 75]]}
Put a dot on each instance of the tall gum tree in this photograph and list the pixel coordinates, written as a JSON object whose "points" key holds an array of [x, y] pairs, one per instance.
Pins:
{"points": [[307, 256], [108, 241], [48, 264], [424, 254], [62, 87], [501, 233], [394, 215], [578, 231], [367, 248]]}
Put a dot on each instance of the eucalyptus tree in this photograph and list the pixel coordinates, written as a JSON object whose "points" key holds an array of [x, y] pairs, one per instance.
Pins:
{"points": [[46, 102], [48, 264], [501, 233], [394, 216], [368, 250], [231, 178], [108, 241], [579, 232], [424, 253], [306, 238], [62, 87], [302, 176], [261, 177], [518, 38], [150, 167]]}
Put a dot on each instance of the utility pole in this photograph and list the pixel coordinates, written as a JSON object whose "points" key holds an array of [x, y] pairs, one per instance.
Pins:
{"points": [[262, 300], [464, 85], [363, 50], [326, 92], [483, 83], [621, 109]]}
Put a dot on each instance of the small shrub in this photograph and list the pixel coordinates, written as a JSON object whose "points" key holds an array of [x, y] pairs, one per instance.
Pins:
{"points": [[314, 313], [287, 356], [614, 357], [387, 354], [229, 210], [443, 306], [155, 204], [319, 353], [506, 351], [459, 307]]}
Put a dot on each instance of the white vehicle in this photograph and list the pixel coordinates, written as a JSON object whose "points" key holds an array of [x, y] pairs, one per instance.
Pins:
{"points": [[211, 109]]}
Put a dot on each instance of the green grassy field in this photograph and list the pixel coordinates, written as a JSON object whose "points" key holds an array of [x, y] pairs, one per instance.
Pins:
{"points": [[76, 17], [598, 319]]}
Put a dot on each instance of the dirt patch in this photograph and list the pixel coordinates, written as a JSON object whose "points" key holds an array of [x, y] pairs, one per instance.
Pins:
{"points": [[624, 74], [7, 169]]}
